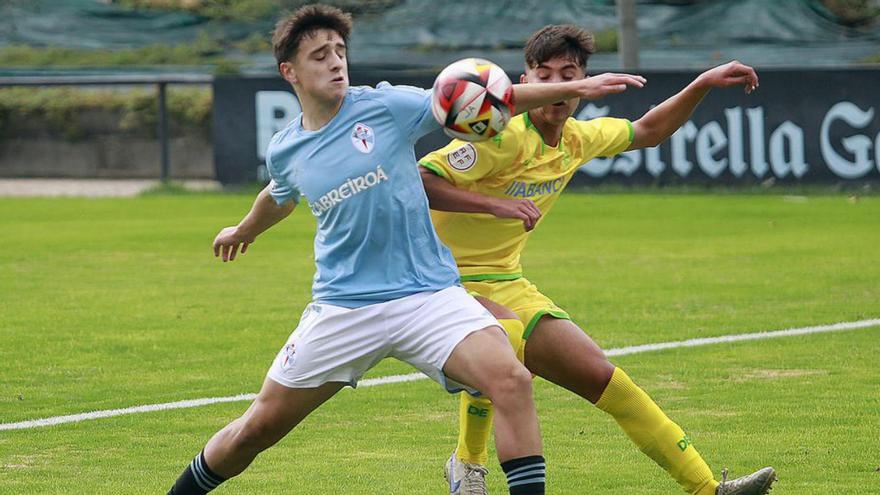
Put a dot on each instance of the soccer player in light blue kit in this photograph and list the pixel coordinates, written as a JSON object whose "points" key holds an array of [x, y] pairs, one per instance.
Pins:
{"points": [[385, 285]]}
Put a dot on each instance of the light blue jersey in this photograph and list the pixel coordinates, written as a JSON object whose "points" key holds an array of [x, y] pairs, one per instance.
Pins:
{"points": [[375, 240]]}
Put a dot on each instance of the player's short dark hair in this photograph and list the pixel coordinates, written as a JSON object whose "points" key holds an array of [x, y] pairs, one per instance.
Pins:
{"points": [[562, 40], [290, 30]]}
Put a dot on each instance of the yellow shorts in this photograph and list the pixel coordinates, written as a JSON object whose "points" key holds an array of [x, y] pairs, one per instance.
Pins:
{"points": [[520, 296]]}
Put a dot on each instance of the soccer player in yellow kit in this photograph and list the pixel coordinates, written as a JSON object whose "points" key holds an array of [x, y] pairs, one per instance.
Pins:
{"points": [[488, 196]]}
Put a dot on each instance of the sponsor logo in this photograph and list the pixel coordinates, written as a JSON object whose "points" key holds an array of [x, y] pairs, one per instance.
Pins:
{"points": [[524, 190], [476, 411], [741, 144], [684, 443], [462, 158], [858, 162], [362, 138], [454, 485], [349, 188]]}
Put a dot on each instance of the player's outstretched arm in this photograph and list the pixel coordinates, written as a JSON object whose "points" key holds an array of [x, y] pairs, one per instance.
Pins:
{"points": [[444, 196], [663, 120], [264, 213], [529, 96]]}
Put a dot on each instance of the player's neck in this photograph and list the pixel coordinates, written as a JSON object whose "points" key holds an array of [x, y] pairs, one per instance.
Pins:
{"points": [[550, 133], [317, 113]]}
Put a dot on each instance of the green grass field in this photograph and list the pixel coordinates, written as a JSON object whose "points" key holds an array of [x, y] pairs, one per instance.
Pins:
{"points": [[114, 303]]}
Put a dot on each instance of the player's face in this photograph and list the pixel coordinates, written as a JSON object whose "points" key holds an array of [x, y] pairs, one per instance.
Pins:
{"points": [[557, 69], [320, 67]]}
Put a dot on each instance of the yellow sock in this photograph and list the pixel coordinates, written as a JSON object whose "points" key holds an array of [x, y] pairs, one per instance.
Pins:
{"points": [[656, 435], [474, 428], [475, 413]]}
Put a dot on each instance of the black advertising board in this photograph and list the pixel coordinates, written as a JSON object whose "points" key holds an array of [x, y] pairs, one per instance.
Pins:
{"points": [[801, 126], [248, 111]]}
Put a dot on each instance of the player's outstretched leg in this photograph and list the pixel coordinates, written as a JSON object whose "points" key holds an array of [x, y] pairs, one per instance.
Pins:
{"points": [[485, 361], [275, 411], [562, 353], [466, 468]]}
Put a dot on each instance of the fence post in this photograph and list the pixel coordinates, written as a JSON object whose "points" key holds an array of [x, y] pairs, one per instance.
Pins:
{"points": [[163, 132], [628, 35]]}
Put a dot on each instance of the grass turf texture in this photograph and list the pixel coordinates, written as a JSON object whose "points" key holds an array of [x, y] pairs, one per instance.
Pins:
{"points": [[113, 303]]}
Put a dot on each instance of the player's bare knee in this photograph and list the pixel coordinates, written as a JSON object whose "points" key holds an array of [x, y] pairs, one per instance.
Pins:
{"points": [[510, 385]]}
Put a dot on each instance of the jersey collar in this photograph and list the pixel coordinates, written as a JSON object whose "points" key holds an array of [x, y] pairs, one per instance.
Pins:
{"points": [[530, 125]]}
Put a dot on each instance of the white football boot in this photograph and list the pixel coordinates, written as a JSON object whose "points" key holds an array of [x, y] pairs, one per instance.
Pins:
{"points": [[464, 478]]}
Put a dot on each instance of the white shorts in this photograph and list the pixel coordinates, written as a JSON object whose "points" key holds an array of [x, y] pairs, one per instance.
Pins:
{"points": [[336, 344]]}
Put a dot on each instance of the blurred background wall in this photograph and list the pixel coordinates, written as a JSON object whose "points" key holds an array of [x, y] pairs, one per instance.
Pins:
{"points": [[111, 132]]}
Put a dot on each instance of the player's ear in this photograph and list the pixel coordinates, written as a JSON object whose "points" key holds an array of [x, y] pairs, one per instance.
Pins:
{"points": [[288, 72], [522, 78]]}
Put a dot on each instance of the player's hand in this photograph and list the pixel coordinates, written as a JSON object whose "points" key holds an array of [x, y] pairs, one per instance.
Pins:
{"points": [[229, 241], [730, 74], [595, 87], [522, 209]]}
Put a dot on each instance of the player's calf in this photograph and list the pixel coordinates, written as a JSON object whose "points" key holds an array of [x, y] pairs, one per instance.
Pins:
{"points": [[485, 362], [522, 463], [516, 422]]}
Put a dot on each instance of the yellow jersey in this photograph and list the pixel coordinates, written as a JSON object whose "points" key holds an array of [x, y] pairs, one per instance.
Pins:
{"points": [[515, 164]]}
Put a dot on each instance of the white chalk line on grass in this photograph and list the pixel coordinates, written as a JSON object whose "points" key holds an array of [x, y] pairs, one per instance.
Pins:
{"points": [[385, 380]]}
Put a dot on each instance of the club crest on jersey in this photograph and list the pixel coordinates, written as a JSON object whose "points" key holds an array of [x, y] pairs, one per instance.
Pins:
{"points": [[462, 158], [362, 138]]}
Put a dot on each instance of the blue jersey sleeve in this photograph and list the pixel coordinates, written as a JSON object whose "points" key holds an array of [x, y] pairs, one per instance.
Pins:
{"points": [[411, 108], [279, 188]]}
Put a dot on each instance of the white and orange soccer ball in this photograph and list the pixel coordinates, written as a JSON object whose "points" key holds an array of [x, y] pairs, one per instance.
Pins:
{"points": [[472, 99]]}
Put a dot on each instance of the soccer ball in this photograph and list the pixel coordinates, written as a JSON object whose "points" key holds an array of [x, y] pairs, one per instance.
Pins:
{"points": [[472, 99]]}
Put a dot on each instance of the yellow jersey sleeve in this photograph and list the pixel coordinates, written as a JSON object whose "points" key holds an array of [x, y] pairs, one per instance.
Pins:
{"points": [[463, 163], [604, 136]]}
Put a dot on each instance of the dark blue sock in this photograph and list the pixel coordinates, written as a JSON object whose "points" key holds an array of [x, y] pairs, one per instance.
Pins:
{"points": [[525, 475], [196, 479]]}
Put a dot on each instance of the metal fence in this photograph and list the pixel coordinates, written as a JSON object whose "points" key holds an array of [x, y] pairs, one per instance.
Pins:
{"points": [[161, 81]]}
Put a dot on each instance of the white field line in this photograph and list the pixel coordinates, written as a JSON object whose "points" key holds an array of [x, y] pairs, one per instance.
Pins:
{"points": [[385, 380]]}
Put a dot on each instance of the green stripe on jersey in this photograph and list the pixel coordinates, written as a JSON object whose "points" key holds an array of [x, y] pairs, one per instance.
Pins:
{"points": [[434, 168]]}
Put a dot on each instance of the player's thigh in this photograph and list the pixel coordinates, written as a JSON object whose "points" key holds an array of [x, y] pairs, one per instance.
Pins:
{"points": [[428, 328], [440, 333], [561, 352]]}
